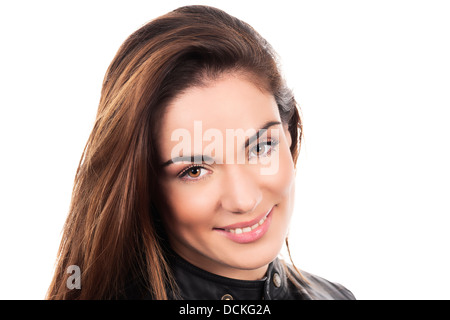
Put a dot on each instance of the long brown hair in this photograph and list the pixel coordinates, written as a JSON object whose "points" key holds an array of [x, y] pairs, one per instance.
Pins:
{"points": [[111, 232]]}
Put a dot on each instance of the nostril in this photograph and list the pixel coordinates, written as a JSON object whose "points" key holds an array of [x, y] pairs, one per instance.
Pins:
{"points": [[239, 207], [240, 191]]}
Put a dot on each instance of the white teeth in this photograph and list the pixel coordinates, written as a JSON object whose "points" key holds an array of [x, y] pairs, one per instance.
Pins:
{"points": [[247, 229]]}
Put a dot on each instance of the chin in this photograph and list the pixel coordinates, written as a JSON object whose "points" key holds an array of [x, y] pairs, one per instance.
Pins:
{"points": [[255, 255]]}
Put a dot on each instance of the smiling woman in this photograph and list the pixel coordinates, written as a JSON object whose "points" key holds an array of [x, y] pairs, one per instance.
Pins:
{"points": [[220, 209], [153, 217]]}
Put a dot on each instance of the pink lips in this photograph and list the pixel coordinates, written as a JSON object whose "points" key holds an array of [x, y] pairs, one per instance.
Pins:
{"points": [[240, 233]]}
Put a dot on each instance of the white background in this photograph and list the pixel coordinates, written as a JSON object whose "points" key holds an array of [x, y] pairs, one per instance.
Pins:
{"points": [[373, 82]]}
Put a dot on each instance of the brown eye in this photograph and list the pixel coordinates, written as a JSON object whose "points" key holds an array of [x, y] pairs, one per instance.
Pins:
{"points": [[194, 172]]}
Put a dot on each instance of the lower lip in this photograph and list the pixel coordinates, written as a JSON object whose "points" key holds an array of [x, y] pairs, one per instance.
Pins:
{"points": [[251, 236]]}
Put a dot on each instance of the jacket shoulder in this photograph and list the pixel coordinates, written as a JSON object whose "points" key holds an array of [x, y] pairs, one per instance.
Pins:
{"points": [[317, 288]]}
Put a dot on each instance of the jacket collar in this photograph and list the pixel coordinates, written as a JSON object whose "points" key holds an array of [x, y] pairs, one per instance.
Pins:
{"points": [[197, 284]]}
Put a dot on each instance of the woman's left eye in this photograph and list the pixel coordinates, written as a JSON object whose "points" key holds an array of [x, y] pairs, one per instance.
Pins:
{"points": [[262, 149]]}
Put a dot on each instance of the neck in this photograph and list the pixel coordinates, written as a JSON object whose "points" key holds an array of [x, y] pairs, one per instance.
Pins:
{"points": [[225, 270]]}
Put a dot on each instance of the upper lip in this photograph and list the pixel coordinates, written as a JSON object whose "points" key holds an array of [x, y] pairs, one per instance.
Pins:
{"points": [[246, 223]]}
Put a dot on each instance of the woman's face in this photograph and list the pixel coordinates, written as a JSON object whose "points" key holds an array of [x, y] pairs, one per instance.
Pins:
{"points": [[228, 185]]}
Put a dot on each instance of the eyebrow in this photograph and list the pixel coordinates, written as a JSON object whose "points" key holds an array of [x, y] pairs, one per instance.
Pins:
{"points": [[202, 158]]}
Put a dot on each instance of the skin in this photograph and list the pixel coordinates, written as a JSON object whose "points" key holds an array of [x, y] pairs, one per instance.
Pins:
{"points": [[225, 192]]}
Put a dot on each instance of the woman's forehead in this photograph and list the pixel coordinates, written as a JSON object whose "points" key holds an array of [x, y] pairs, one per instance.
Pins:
{"points": [[227, 103]]}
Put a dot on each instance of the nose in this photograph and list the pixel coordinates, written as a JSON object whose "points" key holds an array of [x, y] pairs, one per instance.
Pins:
{"points": [[241, 192]]}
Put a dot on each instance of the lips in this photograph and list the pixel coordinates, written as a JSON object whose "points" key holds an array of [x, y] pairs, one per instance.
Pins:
{"points": [[248, 231]]}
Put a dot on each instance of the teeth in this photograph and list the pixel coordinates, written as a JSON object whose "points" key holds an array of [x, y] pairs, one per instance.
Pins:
{"points": [[247, 229]]}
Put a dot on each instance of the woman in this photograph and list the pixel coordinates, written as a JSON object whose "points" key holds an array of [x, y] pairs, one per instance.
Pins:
{"points": [[186, 185]]}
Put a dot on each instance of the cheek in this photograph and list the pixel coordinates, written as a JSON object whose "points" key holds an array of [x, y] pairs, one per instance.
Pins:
{"points": [[189, 208], [282, 182]]}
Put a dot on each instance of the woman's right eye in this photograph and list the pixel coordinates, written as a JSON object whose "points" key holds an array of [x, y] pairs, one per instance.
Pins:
{"points": [[193, 173]]}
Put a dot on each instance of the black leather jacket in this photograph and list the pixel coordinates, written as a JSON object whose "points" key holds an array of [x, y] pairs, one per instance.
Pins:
{"points": [[281, 282]]}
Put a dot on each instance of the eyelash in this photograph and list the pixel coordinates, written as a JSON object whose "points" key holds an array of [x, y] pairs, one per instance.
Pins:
{"points": [[185, 171], [271, 142]]}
